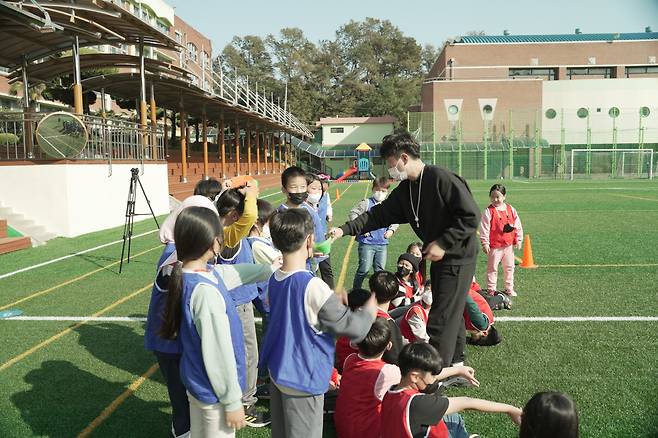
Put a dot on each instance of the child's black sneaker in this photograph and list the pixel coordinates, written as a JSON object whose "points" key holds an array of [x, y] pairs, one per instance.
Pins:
{"points": [[263, 392], [256, 418]]}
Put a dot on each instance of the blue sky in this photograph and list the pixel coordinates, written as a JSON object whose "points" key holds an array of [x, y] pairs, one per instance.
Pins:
{"points": [[430, 22]]}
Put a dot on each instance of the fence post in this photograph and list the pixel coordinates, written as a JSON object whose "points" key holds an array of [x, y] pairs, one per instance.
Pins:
{"points": [[511, 147], [563, 150], [433, 138], [613, 167], [640, 145], [486, 151], [459, 146], [589, 146], [537, 145]]}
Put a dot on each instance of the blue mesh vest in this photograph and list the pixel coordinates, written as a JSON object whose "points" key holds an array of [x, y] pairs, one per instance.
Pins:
{"points": [[192, 369], [247, 292], [262, 285], [296, 355], [376, 237], [319, 226], [323, 207], [152, 339]]}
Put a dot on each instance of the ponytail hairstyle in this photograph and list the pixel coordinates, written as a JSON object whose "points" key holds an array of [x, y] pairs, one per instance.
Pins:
{"points": [[229, 201], [196, 230]]}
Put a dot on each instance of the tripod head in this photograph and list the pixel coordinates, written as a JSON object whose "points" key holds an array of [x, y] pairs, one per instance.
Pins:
{"points": [[135, 172]]}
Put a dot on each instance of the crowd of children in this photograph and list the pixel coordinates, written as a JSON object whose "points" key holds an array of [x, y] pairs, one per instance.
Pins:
{"points": [[227, 252]]}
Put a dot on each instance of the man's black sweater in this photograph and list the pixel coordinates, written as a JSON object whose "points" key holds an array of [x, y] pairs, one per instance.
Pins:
{"points": [[448, 214]]}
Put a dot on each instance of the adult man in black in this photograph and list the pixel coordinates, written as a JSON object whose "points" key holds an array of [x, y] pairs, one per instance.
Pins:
{"points": [[440, 208]]}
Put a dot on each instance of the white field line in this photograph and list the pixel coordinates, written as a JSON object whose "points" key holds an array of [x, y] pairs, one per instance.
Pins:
{"points": [[59, 259], [258, 319]]}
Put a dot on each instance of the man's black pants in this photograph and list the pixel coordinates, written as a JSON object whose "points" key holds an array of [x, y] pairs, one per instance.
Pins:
{"points": [[450, 284]]}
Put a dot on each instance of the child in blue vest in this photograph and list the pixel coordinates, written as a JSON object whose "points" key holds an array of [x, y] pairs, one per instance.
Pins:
{"points": [[200, 313], [233, 200], [305, 315], [168, 351], [315, 195], [294, 186], [373, 245]]}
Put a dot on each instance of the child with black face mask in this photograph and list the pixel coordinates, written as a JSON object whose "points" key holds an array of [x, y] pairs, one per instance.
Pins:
{"points": [[415, 407], [410, 290], [294, 186]]}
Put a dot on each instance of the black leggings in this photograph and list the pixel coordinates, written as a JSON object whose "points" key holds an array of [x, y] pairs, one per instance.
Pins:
{"points": [[180, 406]]}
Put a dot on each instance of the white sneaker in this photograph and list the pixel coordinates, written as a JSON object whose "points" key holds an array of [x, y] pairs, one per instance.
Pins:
{"points": [[511, 293]]}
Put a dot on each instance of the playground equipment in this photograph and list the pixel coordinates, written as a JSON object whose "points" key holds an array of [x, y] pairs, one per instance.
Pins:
{"points": [[360, 165]]}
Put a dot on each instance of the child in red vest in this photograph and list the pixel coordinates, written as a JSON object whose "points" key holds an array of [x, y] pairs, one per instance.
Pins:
{"points": [[415, 407], [365, 380], [356, 299], [413, 324], [500, 233]]}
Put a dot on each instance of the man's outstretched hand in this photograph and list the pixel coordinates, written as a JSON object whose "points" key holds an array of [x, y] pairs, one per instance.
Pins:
{"points": [[335, 233]]}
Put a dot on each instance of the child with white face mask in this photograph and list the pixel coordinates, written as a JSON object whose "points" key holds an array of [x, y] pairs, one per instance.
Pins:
{"points": [[373, 245], [315, 192]]}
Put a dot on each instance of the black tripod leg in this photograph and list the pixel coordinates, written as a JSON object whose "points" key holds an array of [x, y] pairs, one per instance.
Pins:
{"points": [[127, 227], [148, 202]]}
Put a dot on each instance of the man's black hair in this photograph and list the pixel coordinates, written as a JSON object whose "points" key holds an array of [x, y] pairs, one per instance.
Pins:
{"points": [[395, 144], [419, 356], [385, 286], [291, 172], [290, 228], [376, 340]]}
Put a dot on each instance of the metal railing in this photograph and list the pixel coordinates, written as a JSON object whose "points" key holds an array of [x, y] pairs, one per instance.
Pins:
{"points": [[238, 93], [108, 139]]}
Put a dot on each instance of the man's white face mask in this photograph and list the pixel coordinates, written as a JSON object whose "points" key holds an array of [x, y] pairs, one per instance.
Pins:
{"points": [[397, 174]]}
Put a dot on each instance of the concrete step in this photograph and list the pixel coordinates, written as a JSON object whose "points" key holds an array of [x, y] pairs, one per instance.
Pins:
{"points": [[27, 227]]}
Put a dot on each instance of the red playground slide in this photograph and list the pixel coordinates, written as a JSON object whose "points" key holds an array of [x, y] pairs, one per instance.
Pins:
{"points": [[349, 172]]}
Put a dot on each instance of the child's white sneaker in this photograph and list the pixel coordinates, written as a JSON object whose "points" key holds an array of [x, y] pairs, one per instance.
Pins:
{"points": [[511, 293]]}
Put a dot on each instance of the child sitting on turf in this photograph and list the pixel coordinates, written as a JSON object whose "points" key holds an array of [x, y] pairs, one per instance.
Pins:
{"points": [[500, 233], [315, 193], [413, 324], [201, 315], [385, 286], [416, 408], [416, 249], [294, 186], [373, 245], [299, 345], [365, 380], [409, 289], [548, 415], [479, 320], [356, 299]]}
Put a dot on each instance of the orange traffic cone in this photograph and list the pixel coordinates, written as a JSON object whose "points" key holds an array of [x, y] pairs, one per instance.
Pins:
{"points": [[528, 261], [337, 194]]}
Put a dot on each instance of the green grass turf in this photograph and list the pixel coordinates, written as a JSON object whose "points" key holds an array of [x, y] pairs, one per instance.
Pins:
{"points": [[611, 368]]}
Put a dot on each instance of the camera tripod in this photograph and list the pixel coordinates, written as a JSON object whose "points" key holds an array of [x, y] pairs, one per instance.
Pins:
{"points": [[130, 213]]}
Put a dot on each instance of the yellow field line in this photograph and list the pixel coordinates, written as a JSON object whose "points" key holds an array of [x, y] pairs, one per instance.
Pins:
{"points": [[342, 193], [634, 197], [73, 280], [109, 410], [346, 258], [68, 330]]}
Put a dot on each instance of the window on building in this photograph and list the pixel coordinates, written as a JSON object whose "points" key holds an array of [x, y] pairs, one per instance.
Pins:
{"points": [[645, 111], [162, 27], [453, 109], [487, 109], [179, 37], [543, 73], [340, 130], [582, 113], [613, 112], [598, 72], [642, 70], [551, 113], [192, 52]]}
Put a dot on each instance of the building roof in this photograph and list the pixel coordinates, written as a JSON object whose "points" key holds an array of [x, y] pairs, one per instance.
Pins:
{"points": [[354, 120], [565, 38]]}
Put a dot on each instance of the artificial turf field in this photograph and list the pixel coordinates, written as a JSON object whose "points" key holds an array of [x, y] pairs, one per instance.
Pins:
{"points": [[596, 244]]}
